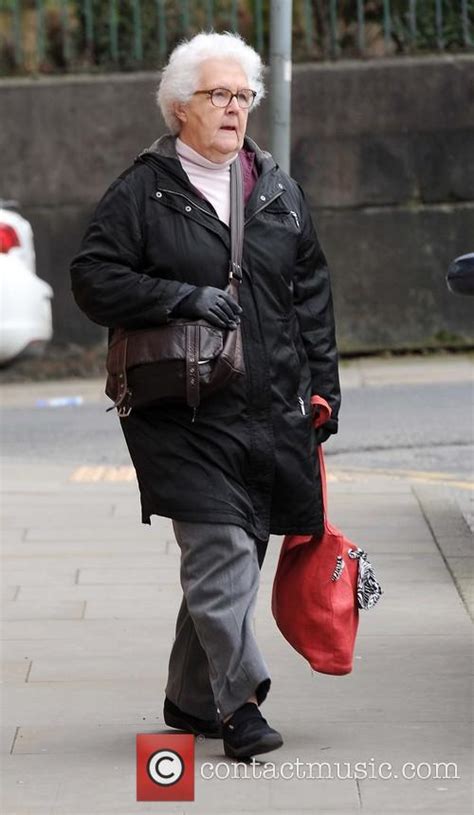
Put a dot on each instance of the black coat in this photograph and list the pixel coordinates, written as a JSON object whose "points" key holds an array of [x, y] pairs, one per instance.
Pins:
{"points": [[250, 456]]}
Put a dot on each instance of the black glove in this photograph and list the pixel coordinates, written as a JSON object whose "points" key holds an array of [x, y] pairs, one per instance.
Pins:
{"points": [[324, 431], [216, 306], [322, 434]]}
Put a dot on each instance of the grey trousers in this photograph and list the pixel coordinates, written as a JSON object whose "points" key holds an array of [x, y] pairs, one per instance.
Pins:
{"points": [[215, 664]]}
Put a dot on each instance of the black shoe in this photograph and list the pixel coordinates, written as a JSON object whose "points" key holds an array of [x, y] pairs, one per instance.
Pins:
{"points": [[174, 717], [247, 733]]}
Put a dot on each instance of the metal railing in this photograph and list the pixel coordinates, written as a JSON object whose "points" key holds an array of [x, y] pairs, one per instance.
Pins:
{"points": [[63, 36]]}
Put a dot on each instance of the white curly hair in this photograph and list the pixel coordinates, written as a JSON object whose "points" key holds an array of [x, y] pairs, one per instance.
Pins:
{"points": [[180, 77]]}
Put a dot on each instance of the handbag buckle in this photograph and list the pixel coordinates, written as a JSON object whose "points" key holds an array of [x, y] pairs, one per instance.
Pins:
{"points": [[124, 409], [235, 272]]}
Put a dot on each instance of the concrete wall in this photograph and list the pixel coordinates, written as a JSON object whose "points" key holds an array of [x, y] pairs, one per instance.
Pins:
{"points": [[383, 149]]}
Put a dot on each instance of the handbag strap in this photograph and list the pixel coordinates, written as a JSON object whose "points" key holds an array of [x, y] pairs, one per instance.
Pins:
{"points": [[192, 362], [324, 413], [235, 278], [236, 222], [322, 476]]}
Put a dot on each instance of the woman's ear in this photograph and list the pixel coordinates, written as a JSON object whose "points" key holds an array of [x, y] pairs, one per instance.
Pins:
{"points": [[180, 112]]}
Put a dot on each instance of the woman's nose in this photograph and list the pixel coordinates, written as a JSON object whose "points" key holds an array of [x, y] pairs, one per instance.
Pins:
{"points": [[233, 105]]}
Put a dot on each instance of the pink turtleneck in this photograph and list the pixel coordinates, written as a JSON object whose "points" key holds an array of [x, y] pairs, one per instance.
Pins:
{"points": [[211, 179]]}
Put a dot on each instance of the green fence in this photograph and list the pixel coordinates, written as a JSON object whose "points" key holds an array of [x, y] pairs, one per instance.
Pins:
{"points": [[64, 36]]}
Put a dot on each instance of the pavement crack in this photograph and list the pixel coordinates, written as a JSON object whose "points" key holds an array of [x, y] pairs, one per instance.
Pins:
{"points": [[27, 677], [17, 730]]}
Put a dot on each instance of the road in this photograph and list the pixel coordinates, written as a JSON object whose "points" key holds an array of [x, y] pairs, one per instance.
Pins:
{"points": [[417, 427]]}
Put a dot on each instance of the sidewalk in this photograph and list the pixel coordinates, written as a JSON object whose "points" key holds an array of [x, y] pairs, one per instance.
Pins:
{"points": [[90, 601]]}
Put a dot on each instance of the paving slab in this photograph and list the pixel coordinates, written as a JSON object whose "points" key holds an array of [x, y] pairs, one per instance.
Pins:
{"points": [[164, 573], [118, 632], [63, 549], [113, 531], [89, 740], [37, 575], [130, 609], [101, 591], [15, 671], [37, 610], [111, 701], [90, 669]]}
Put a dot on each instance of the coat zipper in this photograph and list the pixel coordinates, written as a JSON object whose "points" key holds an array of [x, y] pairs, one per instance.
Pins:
{"points": [[302, 407], [295, 216], [193, 203], [264, 206]]}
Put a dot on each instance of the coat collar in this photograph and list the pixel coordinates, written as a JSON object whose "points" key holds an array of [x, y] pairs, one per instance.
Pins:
{"points": [[161, 154], [165, 146]]}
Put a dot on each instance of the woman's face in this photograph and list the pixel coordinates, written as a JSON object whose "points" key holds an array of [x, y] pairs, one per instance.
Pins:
{"points": [[216, 133]]}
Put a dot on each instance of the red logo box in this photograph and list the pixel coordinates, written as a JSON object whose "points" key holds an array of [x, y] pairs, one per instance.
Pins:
{"points": [[165, 767]]}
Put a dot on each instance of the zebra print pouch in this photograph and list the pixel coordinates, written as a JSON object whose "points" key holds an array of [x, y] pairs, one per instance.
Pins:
{"points": [[369, 590]]}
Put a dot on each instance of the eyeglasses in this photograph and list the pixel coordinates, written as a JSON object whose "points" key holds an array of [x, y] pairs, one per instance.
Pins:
{"points": [[221, 97]]}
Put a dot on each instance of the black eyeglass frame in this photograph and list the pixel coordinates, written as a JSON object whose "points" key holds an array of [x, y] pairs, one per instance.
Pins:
{"points": [[245, 107]]}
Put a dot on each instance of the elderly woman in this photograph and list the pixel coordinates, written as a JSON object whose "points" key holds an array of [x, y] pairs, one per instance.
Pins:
{"points": [[245, 466]]}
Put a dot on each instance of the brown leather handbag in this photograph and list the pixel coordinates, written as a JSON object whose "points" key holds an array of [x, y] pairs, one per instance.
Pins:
{"points": [[184, 359]]}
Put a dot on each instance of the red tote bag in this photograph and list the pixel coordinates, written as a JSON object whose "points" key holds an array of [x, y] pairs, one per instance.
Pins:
{"points": [[319, 585]]}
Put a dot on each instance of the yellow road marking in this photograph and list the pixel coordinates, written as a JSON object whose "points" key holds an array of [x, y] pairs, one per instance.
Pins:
{"points": [[89, 474], [413, 475]]}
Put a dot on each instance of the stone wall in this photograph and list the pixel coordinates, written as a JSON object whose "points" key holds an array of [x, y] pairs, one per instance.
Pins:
{"points": [[383, 150]]}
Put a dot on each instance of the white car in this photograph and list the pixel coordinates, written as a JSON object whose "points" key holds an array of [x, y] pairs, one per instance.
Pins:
{"points": [[25, 300]]}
